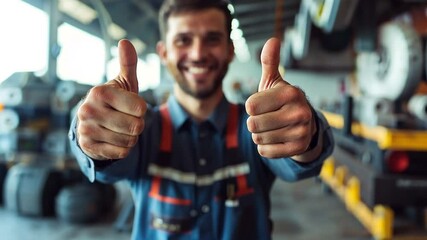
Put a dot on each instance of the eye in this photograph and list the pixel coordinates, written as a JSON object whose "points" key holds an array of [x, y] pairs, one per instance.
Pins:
{"points": [[181, 41], [213, 39]]}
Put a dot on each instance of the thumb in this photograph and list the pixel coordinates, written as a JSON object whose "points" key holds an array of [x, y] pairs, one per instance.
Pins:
{"points": [[128, 60], [270, 60]]}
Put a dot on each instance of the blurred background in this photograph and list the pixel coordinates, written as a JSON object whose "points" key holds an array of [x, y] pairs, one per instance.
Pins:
{"points": [[361, 62]]}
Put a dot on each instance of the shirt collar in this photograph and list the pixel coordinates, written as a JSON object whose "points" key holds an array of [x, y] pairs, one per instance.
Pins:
{"points": [[218, 118]]}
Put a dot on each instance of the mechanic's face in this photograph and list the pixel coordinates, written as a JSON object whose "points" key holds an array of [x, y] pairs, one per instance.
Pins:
{"points": [[197, 51]]}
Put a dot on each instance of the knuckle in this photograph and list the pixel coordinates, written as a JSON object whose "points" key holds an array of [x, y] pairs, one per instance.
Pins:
{"points": [[307, 113], [304, 114], [292, 92], [85, 144], [84, 130], [251, 106], [136, 127], [140, 107], [131, 141], [262, 151], [257, 138], [252, 125], [98, 92], [85, 112]]}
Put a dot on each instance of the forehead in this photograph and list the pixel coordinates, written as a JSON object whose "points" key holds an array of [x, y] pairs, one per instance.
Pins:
{"points": [[197, 22]]}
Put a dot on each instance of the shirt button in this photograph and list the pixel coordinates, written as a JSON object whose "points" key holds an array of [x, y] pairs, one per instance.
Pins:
{"points": [[202, 161], [205, 208], [71, 135], [193, 212]]}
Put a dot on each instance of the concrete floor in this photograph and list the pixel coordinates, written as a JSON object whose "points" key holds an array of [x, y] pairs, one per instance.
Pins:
{"points": [[301, 211]]}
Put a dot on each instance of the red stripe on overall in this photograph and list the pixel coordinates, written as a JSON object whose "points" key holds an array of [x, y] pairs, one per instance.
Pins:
{"points": [[166, 147]]}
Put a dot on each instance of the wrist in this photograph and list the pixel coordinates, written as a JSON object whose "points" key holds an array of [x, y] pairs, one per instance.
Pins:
{"points": [[315, 137], [315, 147]]}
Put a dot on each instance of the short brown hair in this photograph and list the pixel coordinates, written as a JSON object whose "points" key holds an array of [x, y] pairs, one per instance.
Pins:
{"points": [[170, 7]]}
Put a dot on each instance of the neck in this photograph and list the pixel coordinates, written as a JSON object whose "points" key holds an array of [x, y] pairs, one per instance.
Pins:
{"points": [[198, 109]]}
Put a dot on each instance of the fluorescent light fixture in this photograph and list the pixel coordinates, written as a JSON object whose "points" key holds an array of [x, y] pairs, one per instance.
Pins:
{"points": [[139, 45], [241, 50], [231, 8], [116, 32], [78, 10], [235, 23], [236, 34]]}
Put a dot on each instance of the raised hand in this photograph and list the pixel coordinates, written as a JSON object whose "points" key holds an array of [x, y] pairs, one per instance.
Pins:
{"points": [[112, 115], [281, 120]]}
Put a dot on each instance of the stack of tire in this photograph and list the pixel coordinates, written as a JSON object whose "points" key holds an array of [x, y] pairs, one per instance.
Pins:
{"points": [[85, 202], [38, 191]]}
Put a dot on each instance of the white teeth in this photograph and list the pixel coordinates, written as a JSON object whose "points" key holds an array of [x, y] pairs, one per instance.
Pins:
{"points": [[197, 70]]}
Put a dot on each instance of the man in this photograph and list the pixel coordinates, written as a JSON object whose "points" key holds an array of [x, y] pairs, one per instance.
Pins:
{"points": [[198, 166]]}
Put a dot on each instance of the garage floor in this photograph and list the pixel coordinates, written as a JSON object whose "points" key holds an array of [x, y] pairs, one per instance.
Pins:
{"points": [[301, 211]]}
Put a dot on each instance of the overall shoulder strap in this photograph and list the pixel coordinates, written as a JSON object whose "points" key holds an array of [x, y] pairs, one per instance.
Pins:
{"points": [[166, 130]]}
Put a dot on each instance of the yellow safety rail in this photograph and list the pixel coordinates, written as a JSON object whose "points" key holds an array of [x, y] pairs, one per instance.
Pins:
{"points": [[396, 139], [379, 221]]}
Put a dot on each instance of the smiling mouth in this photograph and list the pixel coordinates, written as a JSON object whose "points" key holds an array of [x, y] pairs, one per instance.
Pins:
{"points": [[198, 70]]}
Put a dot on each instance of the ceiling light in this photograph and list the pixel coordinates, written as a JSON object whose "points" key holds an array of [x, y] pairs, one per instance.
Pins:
{"points": [[231, 8], [241, 50], [116, 32], [139, 45], [235, 23], [78, 10], [236, 34]]}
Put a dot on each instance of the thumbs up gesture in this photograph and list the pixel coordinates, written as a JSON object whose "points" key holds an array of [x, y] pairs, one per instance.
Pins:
{"points": [[112, 115], [280, 117]]}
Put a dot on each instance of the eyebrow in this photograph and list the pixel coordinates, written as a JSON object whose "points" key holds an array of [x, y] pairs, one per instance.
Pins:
{"points": [[210, 34], [214, 33]]}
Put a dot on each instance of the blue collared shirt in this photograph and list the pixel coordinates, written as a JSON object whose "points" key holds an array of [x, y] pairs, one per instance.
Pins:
{"points": [[194, 193]]}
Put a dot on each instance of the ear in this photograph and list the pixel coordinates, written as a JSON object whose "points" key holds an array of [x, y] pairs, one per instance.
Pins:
{"points": [[161, 51]]}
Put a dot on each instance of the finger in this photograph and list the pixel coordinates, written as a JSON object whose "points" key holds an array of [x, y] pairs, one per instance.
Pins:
{"points": [[268, 100], [128, 59], [268, 121], [280, 150], [116, 98], [124, 124], [298, 133], [286, 115], [270, 60], [101, 144], [103, 151], [110, 119], [91, 132]]}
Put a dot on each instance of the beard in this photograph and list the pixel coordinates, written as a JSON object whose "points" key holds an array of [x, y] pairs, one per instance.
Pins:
{"points": [[198, 94]]}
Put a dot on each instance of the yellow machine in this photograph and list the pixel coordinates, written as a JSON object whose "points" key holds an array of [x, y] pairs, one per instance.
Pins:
{"points": [[375, 169], [379, 163]]}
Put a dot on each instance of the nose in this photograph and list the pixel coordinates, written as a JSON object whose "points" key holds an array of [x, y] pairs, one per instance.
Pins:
{"points": [[197, 51]]}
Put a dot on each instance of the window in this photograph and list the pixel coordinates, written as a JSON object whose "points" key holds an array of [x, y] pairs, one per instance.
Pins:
{"points": [[24, 41], [82, 56], [24, 47]]}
